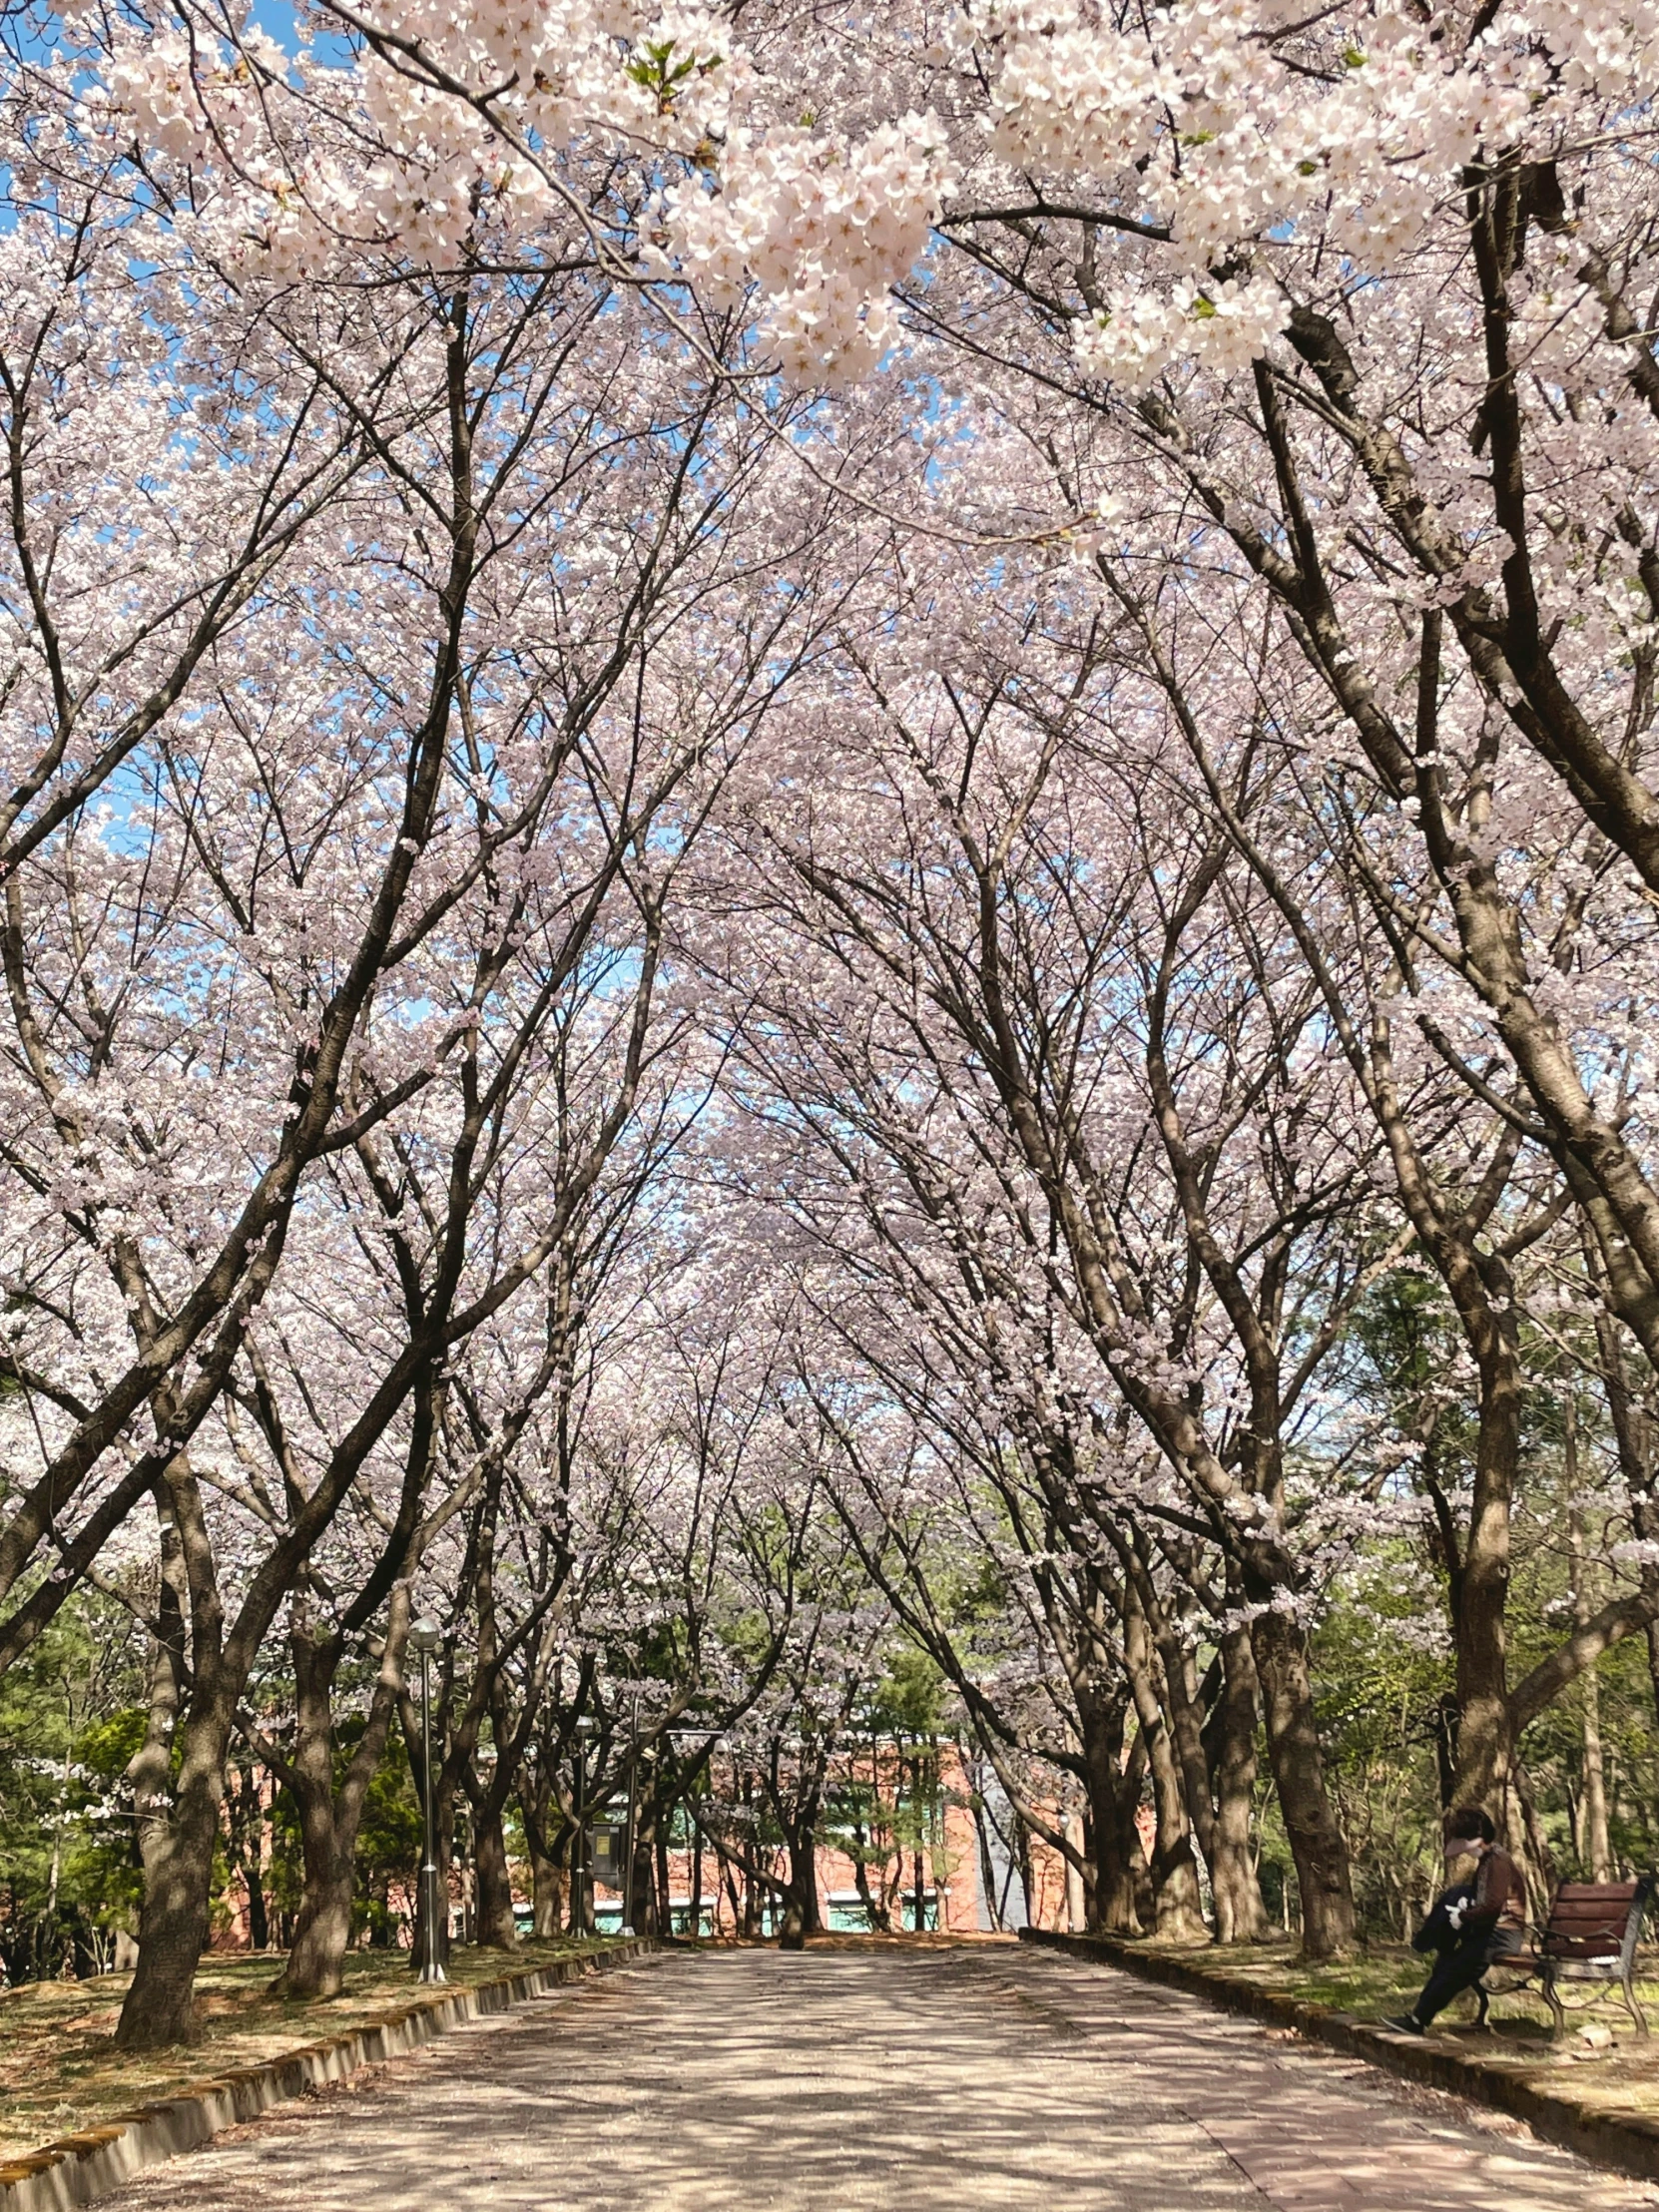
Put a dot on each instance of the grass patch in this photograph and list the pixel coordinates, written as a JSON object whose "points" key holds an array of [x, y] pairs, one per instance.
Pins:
{"points": [[60, 2070]]}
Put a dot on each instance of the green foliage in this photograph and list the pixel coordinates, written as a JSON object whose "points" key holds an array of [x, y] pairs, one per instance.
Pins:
{"points": [[68, 1727]]}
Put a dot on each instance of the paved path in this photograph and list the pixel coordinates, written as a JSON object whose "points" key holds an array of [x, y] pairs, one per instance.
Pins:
{"points": [[920, 2079]]}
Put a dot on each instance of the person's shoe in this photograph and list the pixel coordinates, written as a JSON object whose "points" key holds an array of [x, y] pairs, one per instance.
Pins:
{"points": [[1406, 2023]]}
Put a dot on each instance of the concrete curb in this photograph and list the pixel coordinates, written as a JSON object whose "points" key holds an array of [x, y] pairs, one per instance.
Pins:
{"points": [[81, 2168], [1627, 2142]]}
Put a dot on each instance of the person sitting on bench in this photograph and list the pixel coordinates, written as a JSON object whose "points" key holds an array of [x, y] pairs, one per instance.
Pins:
{"points": [[1493, 1926]]}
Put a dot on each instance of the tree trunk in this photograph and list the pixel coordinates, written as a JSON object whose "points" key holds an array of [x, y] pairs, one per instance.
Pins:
{"points": [[1486, 1747], [330, 1814], [549, 1889], [875, 1908], [496, 1928], [1318, 1846], [1077, 1910], [800, 1914], [1027, 1872], [639, 1897], [316, 1963], [259, 1920], [1241, 1915], [1178, 1698], [987, 1868], [247, 1837], [160, 2007], [1177, 1909], [663, 1922], [751, 1904], [1114, 1792], [1528, 1846], [1596, 1852], [175, 1831]]}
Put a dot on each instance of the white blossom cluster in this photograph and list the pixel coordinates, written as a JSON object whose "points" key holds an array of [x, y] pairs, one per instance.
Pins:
{"points": [[1140, 335], [1207, 131], [824, 228]]}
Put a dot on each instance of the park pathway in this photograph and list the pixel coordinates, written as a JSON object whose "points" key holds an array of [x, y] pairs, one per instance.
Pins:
{"points": [[923, 2078]]}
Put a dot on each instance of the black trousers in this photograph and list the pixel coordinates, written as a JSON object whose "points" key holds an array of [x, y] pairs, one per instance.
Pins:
{"points": [[1461, 1967]]}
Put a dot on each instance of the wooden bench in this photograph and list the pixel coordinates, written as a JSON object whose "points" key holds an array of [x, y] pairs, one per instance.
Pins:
{"points": [[1590, 1939]]}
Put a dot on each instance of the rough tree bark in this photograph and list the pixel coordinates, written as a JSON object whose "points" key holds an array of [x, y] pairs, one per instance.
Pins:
{"points": [[1241, 1915], [1176, 1903], [497, 1930]]}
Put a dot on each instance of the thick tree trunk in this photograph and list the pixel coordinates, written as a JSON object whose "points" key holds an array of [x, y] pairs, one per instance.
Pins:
{"points": [[1073, 1828], [1177, 1907], [1485, 1746], [316, 1963], [800, 1913], [496, 1928], [176, 1829], [752, 1905], [805, 1881], [1317, 1843], [1114, 1792], [1241, 1915], [160, 2007], [550, 1833], [639, 1897], [549, 1889], [330, 1812]]}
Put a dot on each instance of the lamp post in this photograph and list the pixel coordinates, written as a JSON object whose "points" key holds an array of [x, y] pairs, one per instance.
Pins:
{"points": [[425, 1637], [628, 1861], [583, 1899]]}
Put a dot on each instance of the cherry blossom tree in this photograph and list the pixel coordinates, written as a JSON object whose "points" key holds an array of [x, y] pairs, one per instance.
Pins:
{"points": [[1008, 645]]}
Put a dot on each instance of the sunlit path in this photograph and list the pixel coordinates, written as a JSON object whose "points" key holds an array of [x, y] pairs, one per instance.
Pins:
{"points": [[918, 2080]]}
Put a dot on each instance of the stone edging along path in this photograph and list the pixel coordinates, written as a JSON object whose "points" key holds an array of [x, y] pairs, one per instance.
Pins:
{"points": [[1629, 2142], [81, 2168]]}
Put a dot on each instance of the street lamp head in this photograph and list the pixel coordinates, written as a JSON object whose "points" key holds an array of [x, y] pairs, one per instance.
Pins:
{"points": [[425, 1634], [586, 1725]]}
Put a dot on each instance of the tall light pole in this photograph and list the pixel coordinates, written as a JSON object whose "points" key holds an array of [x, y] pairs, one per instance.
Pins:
{"points": [[425, 1637], [628, 1861], [584, 1900]]}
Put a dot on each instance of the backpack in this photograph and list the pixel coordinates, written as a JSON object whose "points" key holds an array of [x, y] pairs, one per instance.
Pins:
{"points": [[1448, 1920]]}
